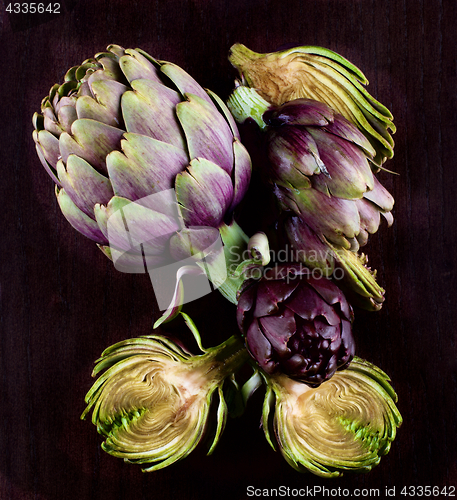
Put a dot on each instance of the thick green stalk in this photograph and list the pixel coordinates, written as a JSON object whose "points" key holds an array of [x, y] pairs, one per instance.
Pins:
{"points": [[235, 251], [225, 359], [245, 103]]}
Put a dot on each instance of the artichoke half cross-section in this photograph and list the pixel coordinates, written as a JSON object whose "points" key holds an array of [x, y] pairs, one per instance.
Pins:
{"points": [[346, 424], [322, 75], [152, 398]]}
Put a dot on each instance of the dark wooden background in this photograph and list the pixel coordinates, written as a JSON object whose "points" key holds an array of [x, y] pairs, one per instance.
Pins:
{"points": [[62, 302]]}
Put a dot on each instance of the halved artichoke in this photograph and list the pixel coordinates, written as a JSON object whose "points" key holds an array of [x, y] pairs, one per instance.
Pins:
{"points": [[345, 424], [152, 403], [322, 75]]}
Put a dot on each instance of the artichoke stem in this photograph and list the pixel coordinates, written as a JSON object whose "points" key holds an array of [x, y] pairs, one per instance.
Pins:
{"points": [[240, 55], [284, 384], [235, 247], [224, 360], [245, 102]]}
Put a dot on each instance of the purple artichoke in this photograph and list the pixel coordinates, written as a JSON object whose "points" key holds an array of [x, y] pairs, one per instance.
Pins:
{"points": [[320, 166], [320, 170], [127, 133], [296, 324]]}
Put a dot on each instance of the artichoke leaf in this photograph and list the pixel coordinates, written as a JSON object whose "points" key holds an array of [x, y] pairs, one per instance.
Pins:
{"points": [[50, 170], [241, 172], [135, 65], [85, 186], [78, 219], [144, 167], [222, 107], [349, 173], [104, 106], [222, 413], [66, 116], [380, 196], [205, 192], [49, 147], [207, 133], [92, 141], [338, 220], [174, 309], [185, 83], [150, 110], [130, 225]]}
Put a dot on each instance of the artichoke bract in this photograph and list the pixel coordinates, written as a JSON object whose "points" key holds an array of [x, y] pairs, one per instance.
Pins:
{"points": [[296, 324], [346, 424], [320, 166], [319, 169], [128, 134], [322, 75], [152, 403]]}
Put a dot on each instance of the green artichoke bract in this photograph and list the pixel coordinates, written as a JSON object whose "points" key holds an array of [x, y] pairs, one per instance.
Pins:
{"points": [[126, 132], [318, 168], [152, 404], [322, 75], [345, 424]]}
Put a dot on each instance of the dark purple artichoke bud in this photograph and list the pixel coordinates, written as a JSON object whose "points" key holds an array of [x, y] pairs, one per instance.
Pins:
{"points": [[296, 324]]}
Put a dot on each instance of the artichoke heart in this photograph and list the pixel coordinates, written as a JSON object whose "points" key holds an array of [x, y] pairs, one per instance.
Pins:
{"points": [[152, 403], [345, 424]]}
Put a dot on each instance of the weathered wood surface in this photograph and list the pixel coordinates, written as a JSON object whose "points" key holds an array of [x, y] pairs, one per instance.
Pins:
{"points": [[62, 302]]}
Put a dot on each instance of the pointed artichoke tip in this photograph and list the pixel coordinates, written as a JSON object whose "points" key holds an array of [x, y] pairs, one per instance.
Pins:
{"points": [[159, 322], [240, 55]]}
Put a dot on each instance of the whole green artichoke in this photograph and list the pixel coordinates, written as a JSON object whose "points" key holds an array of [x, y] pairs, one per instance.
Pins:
{"points": [[127, 133]]}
